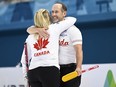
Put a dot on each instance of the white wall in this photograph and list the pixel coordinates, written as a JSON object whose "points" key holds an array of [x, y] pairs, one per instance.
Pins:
{"points": [[13, 77]]}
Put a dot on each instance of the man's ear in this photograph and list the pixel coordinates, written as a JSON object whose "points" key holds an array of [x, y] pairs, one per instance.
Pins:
{"points": [[64, 13]]}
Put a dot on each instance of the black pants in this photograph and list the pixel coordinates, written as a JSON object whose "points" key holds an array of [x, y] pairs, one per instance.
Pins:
{"points": [[44, 77], [65, 69]]}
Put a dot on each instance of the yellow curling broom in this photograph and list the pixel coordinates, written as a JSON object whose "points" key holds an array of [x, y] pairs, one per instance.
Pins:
{"points": [[74, 74]]}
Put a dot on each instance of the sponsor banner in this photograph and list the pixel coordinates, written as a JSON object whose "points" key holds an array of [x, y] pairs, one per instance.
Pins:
{"points": [[12, 77], [104, 76]]}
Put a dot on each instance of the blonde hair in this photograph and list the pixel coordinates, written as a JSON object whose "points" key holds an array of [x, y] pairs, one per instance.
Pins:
{"points": [[42, 19]]}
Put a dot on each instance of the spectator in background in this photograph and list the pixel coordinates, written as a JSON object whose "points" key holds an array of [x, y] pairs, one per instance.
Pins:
{"points": [[79, 4], [47, 4], [70, 54], [3, 6], [22, 10]]}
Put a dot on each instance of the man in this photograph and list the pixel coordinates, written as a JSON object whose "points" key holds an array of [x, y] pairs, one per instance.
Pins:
{"points": [[70, 54]]}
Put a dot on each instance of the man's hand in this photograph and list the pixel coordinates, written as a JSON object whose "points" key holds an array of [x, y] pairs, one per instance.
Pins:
{"points": [[79, 71], [42, 33]]}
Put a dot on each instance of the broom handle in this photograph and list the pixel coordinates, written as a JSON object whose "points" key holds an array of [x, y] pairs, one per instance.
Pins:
{"points": [[26, 61], [91, 68]]}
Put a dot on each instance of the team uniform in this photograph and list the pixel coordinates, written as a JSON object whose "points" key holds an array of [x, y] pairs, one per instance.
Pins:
{"points": [[43, 56], [67, 55]]}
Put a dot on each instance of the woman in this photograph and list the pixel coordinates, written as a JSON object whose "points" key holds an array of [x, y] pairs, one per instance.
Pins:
{"points": [[43, 52]]}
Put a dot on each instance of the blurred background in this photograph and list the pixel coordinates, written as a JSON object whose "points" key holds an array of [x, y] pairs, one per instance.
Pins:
{"points": [[95, 18]]}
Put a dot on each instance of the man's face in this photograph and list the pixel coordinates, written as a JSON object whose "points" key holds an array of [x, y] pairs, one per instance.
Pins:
{"points": [[57, 13]]}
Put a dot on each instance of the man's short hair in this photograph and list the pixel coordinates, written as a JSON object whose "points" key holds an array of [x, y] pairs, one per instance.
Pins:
{"points": [[64, 8]]}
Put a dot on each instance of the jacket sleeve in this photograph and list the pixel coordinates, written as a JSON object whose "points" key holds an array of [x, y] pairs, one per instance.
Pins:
{"points": [[65, 24], [23, 64], [23, 59]]}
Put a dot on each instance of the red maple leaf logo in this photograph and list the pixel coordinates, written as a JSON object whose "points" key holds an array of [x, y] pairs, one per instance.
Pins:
{"points": [[41, 43]]}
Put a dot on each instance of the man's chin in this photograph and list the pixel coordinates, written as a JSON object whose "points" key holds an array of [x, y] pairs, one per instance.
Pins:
{"points": [[55, 21]]}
